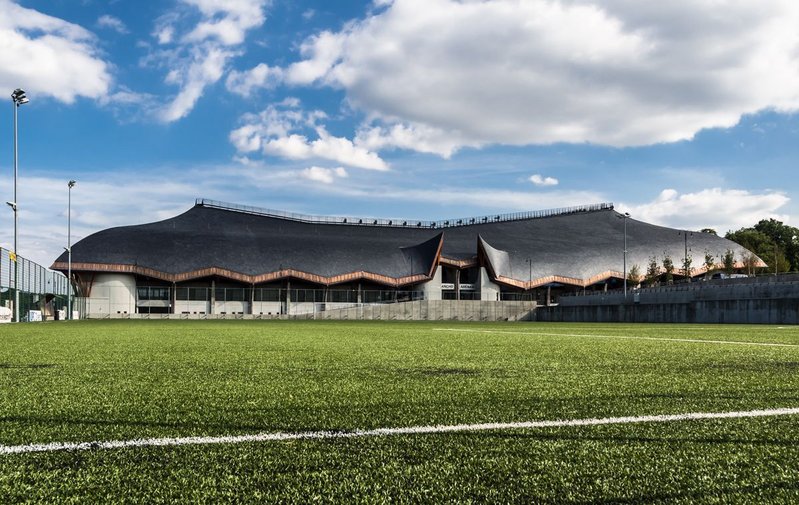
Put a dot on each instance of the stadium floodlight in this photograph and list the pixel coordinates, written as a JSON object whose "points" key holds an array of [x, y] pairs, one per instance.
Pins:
{"points": [[70, 185], [625, 217], [17, 98]]}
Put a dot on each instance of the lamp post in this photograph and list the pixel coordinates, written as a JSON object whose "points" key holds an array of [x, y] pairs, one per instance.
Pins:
{"points": [[17, 98], [70, 185], [625, 217], [529, 262]]}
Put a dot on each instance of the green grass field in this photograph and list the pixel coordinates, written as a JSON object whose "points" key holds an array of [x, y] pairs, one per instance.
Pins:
{"points": [[122, 380]]}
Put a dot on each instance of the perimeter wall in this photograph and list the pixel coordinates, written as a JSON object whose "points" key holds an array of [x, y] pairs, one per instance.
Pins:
{"points": [[760, 300]]}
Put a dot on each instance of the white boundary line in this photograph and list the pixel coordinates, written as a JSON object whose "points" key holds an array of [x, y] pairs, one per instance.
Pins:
{"points": [[381, 432], [626, 337]]}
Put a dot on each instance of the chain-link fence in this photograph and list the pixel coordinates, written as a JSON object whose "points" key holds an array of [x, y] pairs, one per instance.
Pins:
{"points": [[41, 290]]}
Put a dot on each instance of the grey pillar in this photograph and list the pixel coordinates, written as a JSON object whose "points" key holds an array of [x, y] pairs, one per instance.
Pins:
{"points": [[212, 307]]}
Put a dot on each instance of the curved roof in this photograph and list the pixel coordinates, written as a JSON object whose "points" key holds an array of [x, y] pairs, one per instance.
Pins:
{"points": [[577, 246]]}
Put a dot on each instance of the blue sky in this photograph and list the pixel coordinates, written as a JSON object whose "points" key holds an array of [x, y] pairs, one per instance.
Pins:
{"points": [[407, 108]]}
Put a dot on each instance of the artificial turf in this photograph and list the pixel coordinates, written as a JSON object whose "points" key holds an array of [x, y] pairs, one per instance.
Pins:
{"points": [[120, 380]]}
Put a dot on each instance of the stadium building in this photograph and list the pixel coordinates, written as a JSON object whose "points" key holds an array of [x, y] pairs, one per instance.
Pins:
{"points": [[219, 258]]}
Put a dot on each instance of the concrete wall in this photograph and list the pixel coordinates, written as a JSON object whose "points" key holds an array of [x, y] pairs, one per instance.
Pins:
{"points": [[231, 307], [112, 294], [432, 288], [266, 308], [435, 310], [192, 306], [489, 291], [757, 301]]}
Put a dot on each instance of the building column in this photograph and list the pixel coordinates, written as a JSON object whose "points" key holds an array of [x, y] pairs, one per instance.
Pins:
{"points": [[288, 296], [549, 289], [457, 284], [252, 299], [212, 307], [360, 295]]}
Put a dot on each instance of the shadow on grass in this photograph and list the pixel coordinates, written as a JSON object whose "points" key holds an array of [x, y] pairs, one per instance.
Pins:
{"points": [[223, 428], [732, 493], [28, 366]]}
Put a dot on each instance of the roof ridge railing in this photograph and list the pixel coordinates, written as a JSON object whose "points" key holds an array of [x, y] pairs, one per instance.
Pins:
{"points": [[403, 223]]}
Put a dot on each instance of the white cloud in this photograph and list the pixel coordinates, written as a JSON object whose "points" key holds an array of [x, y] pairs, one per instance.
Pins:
{"points": [[206, 66], [540, 180], [164, 34], [323, 175], [260, 76], [280, 131], [419, 138], [226, 20], [49, 56], [523, 72], [202, 55], [720, 209], [114, 23]]}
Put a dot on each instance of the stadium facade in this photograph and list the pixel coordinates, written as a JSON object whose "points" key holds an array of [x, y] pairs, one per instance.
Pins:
{"points": [[220, 258]]}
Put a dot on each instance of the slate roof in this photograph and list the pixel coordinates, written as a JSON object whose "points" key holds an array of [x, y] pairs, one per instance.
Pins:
{"points": [[580, 245]]}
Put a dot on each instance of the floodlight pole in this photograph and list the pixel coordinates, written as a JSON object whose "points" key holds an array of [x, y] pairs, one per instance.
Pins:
{"points": [[17, 98], [70, 185], [625, 217]]}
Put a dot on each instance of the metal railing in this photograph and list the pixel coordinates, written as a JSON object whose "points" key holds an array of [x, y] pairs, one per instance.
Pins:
{"points": [[401, 223]]}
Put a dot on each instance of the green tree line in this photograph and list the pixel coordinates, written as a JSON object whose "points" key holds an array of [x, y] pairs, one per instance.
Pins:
{"points": [[773, 241]]}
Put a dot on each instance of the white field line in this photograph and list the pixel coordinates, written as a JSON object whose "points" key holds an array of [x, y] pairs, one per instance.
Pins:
{"points": [[627, 337], [382, 432]]}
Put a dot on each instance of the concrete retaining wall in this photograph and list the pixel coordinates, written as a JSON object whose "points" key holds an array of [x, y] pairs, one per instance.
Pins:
{"points": [[757, 301]]}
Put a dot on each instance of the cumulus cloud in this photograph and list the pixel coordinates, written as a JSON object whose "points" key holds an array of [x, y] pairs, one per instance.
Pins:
{"points": [[260, 76], [49, 56], [114, 23], [418, 138], [540, 180], [200, 57], [520, 72], [282, 130], [720, 209], [323, 175]]}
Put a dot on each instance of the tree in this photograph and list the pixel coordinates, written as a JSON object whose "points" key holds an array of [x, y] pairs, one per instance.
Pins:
{"points": [[634, 275], [668, 267], [708, 230], [652, 271], [686, 266], [750, 262], [773, 242], [710, 263], [728, 262]]}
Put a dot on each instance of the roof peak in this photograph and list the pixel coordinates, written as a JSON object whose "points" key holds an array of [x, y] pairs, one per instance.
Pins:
{"points": [[401, 223]]}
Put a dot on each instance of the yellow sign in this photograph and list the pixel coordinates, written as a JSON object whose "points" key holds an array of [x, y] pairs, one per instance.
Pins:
{"points": [[12, 256]]}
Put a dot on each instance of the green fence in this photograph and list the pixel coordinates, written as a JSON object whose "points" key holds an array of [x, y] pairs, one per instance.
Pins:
{"points": [[40, 289]]}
